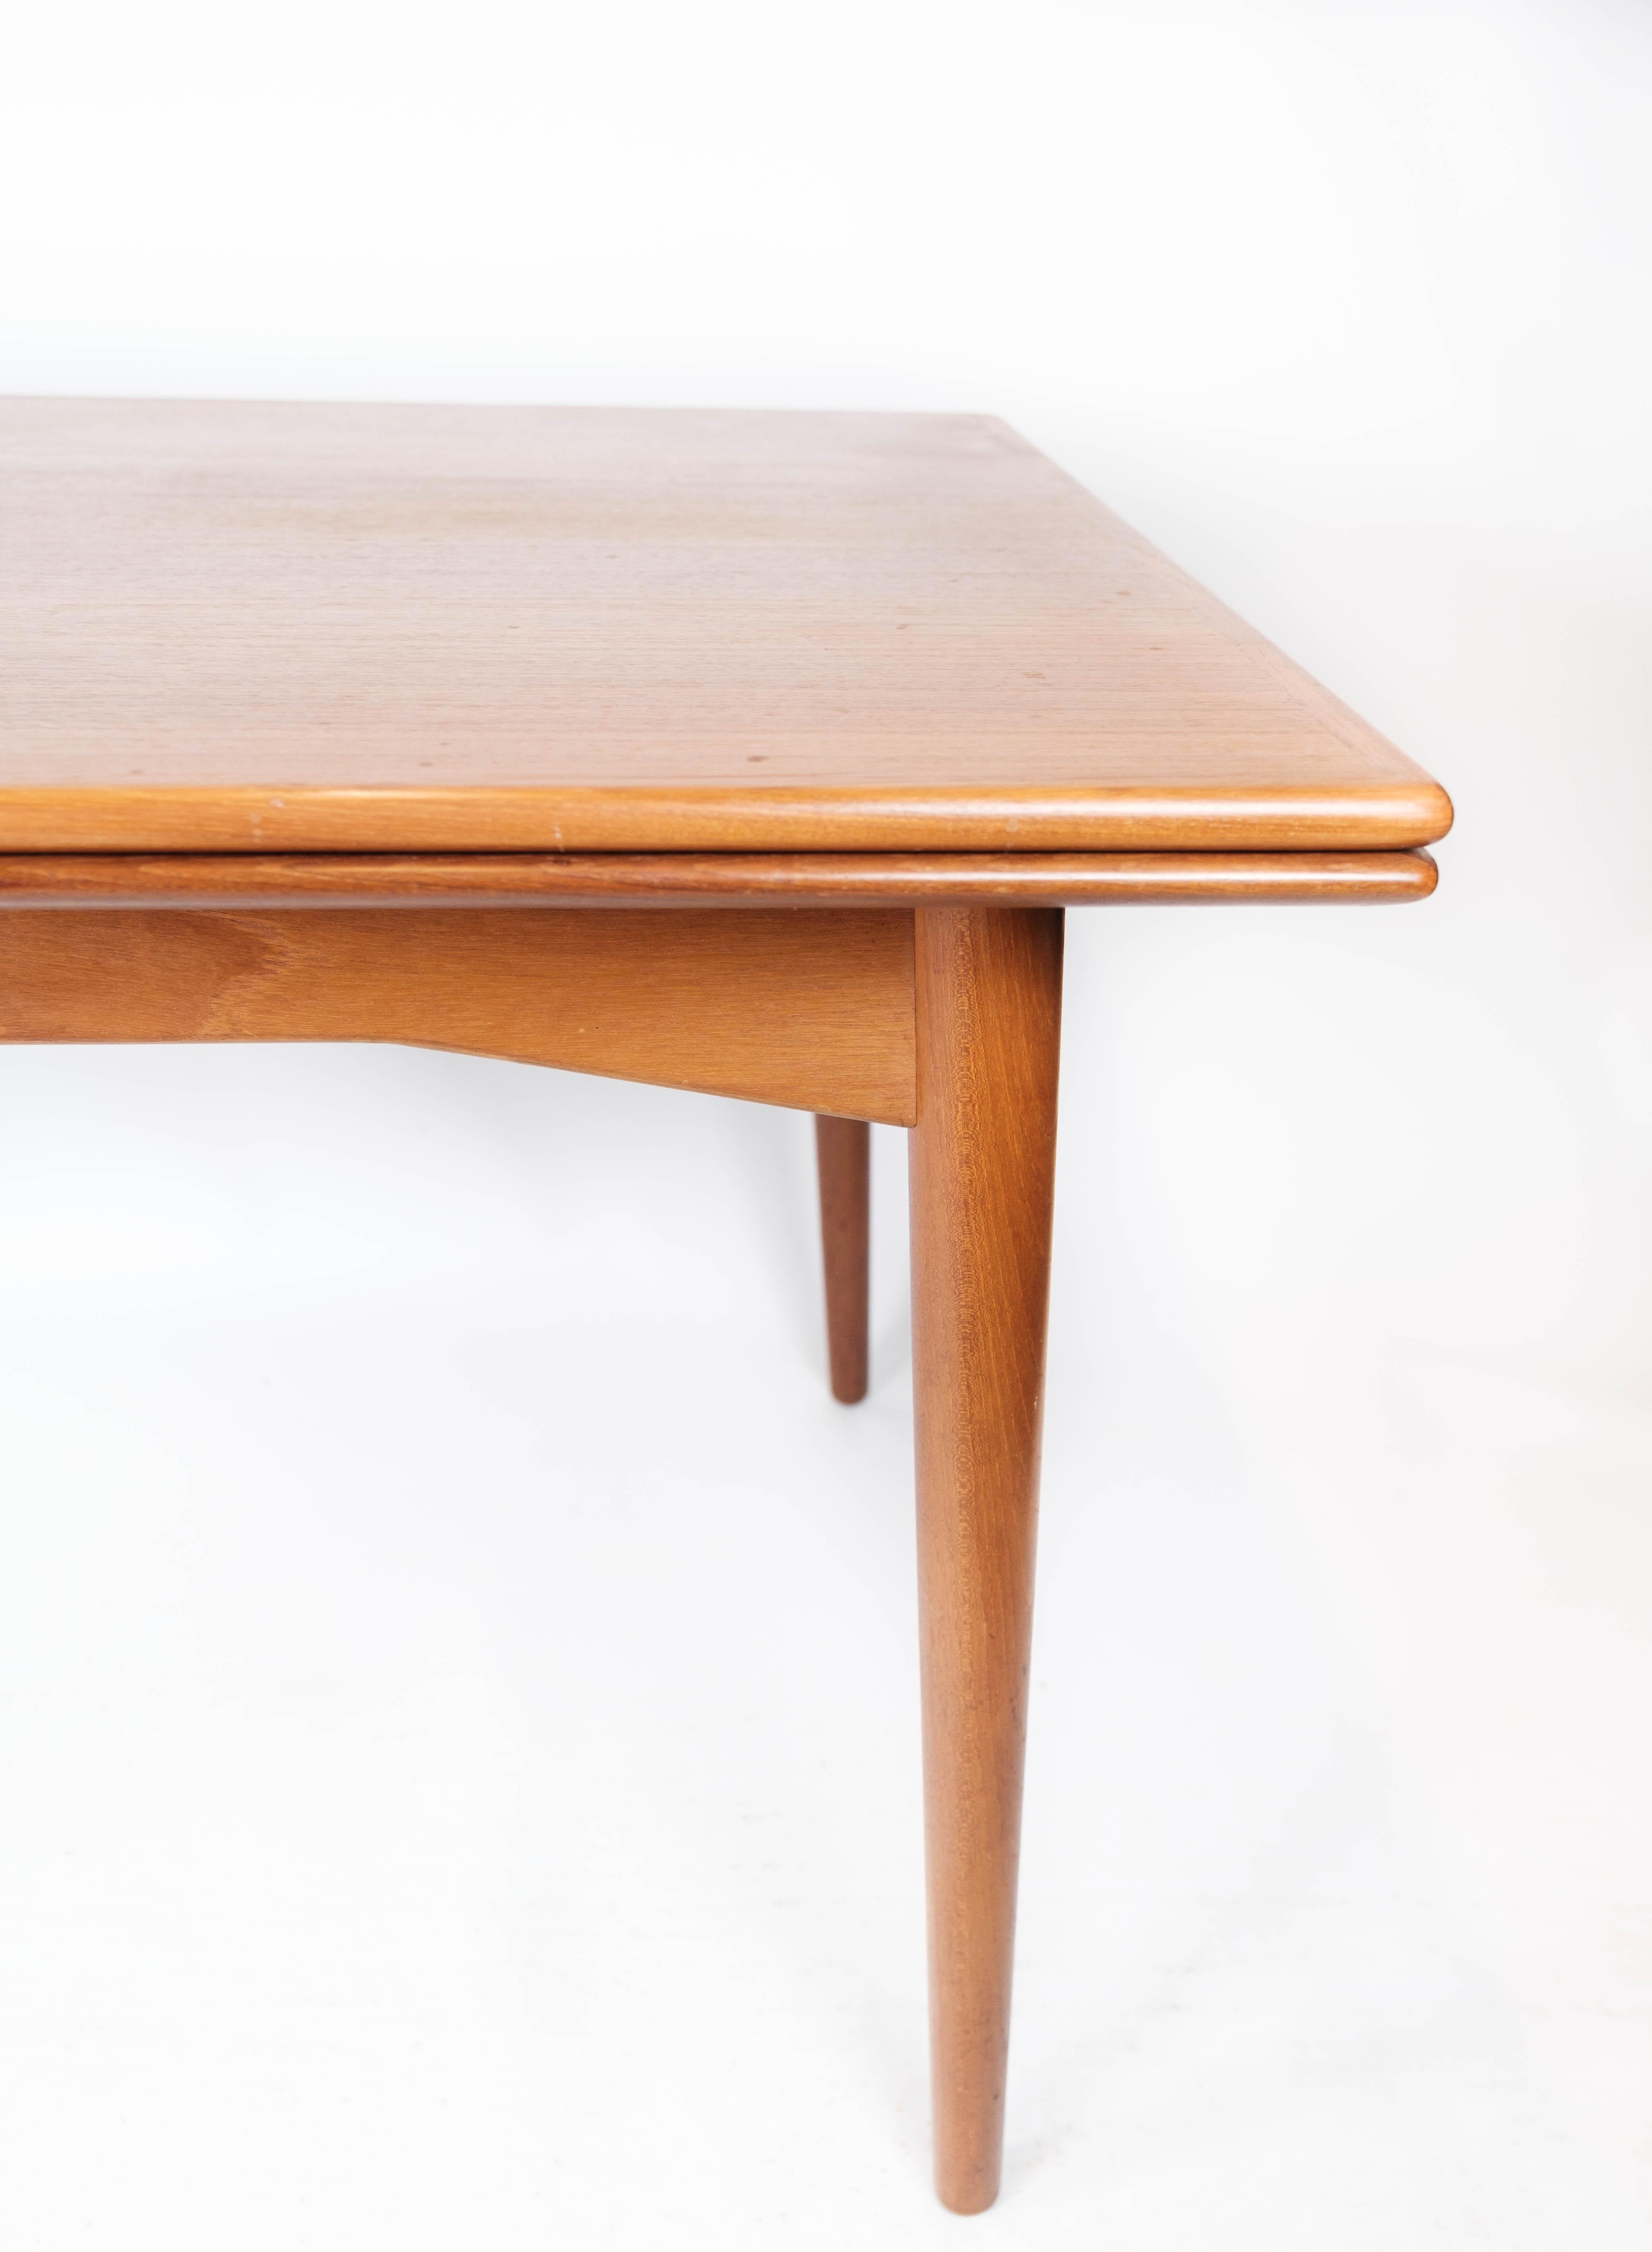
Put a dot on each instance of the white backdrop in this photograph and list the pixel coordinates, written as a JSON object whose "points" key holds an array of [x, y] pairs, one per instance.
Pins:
{"points": [[458, 1761]]}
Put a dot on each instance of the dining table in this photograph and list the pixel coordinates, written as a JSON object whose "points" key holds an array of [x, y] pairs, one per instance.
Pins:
{"points": [[756, 753]]}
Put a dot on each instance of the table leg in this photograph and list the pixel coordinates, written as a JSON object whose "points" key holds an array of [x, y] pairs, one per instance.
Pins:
{"points": [[982, 1154], [842, 1148]]}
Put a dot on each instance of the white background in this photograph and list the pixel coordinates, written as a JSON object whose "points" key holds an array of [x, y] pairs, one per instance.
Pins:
{"points": [[458, 1761]]}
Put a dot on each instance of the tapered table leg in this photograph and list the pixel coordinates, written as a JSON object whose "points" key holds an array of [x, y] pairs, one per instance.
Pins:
{"points": [[842, 1148], [989, 1006]]}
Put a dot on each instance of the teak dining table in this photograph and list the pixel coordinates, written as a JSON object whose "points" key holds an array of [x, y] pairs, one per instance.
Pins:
{"points": [[753, 753]]}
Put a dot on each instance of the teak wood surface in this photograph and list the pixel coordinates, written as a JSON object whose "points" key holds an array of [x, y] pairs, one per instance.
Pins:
{"points": [[236, 627], [352, 723]]}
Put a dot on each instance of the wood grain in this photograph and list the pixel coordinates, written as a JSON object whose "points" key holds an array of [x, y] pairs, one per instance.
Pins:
{"points": [[670, 880], [810, 1010], [982, 1156], [232, 627], [842, 1148]]}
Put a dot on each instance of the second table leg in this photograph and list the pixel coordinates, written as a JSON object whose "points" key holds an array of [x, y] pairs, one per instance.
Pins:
{"points": [[843, 1155]]}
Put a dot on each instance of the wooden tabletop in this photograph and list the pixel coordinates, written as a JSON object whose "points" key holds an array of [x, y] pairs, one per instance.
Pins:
{"points": [[231, 628]]}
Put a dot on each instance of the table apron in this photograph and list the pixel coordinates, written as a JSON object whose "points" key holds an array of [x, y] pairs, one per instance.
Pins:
{"points": [[810, 1009]]}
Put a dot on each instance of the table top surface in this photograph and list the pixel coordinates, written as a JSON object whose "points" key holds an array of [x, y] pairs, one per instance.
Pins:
{"points": [[234, 626]]}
